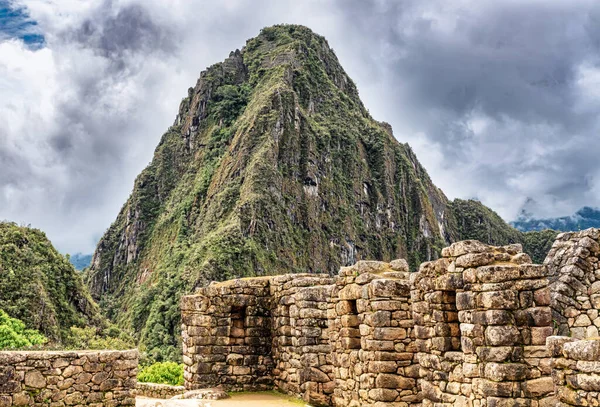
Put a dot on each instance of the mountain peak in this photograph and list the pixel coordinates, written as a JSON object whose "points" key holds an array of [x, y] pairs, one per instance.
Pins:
{"points": [[272, 166]]}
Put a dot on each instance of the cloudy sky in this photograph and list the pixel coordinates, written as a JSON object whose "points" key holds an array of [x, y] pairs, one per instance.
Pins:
{"points": [[500, 99]]}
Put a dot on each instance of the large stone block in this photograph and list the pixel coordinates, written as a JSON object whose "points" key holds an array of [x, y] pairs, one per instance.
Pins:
{"points": [[464, 247], [507, 299], [393, 381], [499, 372], [502, 335]]}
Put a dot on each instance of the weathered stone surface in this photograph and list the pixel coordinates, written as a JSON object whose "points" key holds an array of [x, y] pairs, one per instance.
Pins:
{"points": [[35, 379], [464, 247], [399, 265], [469, 329], [57, 378]]}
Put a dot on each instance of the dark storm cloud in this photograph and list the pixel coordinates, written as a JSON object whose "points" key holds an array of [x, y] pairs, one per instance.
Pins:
{"points": [[517, 68], [124, 30]]}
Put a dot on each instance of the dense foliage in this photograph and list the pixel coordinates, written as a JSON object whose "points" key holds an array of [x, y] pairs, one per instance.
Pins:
{"points": [[538, 243], [163, 373], [14, 335], [39, 286], [90, 338]]}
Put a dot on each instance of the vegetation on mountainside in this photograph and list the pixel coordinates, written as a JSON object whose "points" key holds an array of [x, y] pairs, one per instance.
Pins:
{"points": [[40, 287], [162, 373], [476, 221], [538, 243], [14, 334], [272, 166], [90, 338]]}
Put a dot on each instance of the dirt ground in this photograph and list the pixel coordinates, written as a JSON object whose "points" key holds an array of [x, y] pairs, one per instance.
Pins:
{"points": [[236, 400]]}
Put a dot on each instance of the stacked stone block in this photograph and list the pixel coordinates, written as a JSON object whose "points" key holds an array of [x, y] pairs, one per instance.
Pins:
{"points": [[575, 283], [158, 391], [301, 347], [227, 339], [505, 318], [57, 379], [492, 352], [468, 329], [437, 333], [576, 370], [371, 336]]}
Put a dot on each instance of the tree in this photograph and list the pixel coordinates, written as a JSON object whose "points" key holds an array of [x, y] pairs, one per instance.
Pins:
{"points": [[14, 334]]}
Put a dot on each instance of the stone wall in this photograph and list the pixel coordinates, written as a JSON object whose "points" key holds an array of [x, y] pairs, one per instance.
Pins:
{"points": [[320, 338], [227, 336], [301, 347], [468, 329], [94, 378], [371, 336], [575, 283], [482, 316], [576, 370], [158, 391]]}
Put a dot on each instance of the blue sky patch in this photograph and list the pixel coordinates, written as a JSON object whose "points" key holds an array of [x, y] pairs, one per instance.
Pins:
{"points": [[15, 22]]}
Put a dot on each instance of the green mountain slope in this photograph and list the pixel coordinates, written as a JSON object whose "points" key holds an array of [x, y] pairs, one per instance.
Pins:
{"points": [[473, 220], [273, 165], [39, 286]]}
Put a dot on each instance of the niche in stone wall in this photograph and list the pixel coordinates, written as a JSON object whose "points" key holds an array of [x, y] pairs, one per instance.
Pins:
{"points": [[238, 325], [350, 334]]}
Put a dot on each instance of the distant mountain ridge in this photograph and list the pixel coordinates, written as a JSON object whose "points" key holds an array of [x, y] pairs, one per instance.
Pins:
{"points": [[584, 218], [80, 260]]}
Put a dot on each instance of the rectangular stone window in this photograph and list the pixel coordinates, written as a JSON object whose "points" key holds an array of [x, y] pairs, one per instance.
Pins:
{"points": [[238, 326], [350, 333]]}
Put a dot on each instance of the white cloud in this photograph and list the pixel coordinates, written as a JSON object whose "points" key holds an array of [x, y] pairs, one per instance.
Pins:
{"points": [[497, 98]]}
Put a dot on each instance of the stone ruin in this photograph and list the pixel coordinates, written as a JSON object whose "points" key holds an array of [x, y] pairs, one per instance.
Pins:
{"points": [[479, 327]]}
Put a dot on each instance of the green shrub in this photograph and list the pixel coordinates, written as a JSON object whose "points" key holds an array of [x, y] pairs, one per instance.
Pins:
{"points": [[162, 372], [14, 335], [89, 338]]}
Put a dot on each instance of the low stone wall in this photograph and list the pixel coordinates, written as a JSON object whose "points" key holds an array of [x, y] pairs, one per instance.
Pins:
{"points": [[94, 378], [158, 391], [576, 370]]}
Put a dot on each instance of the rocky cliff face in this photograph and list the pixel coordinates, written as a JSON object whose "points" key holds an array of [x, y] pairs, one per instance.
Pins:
{"points": [[273, 165]]}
